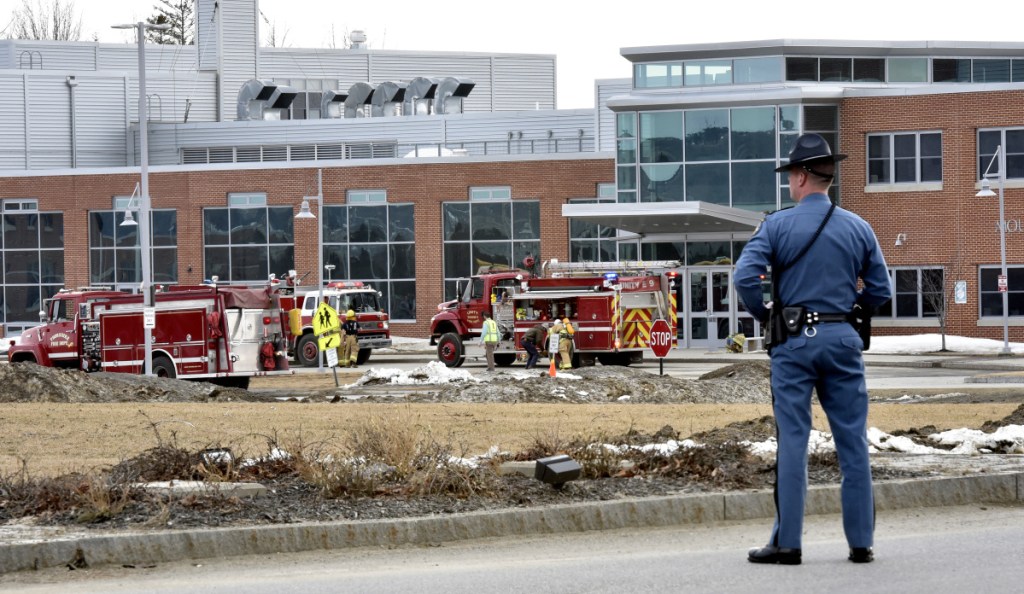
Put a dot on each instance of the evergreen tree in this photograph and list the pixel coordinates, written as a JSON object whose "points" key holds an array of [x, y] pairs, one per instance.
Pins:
{"points": [[180, 15]]}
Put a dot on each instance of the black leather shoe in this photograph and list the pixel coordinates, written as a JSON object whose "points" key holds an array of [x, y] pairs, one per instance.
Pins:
{"points": [[770, 554], [861, 555]]}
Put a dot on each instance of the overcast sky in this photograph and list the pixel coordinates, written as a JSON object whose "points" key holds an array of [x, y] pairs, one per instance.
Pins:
{"points": [[585, 35]]}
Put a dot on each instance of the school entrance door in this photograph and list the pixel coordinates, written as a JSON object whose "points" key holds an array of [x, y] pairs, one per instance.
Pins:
{"points": [[712, 311]]}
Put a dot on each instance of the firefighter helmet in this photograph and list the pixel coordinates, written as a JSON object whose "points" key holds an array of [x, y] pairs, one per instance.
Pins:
{"points": [[350, 315]]}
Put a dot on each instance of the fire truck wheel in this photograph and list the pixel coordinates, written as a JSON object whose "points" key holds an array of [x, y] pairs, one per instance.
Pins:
{"points": [[504, 359], [306, 351], [450, 351], [162, 367], [363, 356]]}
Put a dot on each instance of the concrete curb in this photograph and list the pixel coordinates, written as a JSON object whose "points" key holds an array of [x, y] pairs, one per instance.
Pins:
{"points": [[142, 548]]}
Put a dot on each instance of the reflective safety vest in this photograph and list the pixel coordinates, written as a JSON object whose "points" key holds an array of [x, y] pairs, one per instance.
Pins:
{"points": [[490, 331]]}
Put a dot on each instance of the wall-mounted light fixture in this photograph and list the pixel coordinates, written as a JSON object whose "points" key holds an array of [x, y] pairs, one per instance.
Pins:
{"points": [[901, 238]]}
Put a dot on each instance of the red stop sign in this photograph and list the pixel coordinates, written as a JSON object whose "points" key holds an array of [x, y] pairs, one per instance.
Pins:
{"points": [[661, 338]]}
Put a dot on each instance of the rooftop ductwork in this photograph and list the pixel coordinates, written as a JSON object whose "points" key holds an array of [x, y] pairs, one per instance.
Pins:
{"points": [[332, 104], [387, 99], [450, 93], [264, 100], [419, 96], [359, 96]]}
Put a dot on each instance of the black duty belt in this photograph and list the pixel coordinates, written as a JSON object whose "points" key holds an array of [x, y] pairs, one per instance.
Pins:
{"points": [[813, 317]]}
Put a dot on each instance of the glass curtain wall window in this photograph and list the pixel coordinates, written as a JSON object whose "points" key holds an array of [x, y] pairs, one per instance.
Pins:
{"points": [[495, 234], [720, 156], [375, 243], [900, 158], [115, 256], [589, 242], [917, 293], [248, 243], [991, 301], [32, 260]]}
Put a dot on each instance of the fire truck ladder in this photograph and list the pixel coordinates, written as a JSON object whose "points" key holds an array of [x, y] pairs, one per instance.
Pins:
{"points": [[597, 268]]}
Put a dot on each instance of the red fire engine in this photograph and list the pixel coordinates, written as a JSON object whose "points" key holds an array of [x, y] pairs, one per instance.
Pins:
{"points": [[224, 334], [300, 303], [611, 314]]}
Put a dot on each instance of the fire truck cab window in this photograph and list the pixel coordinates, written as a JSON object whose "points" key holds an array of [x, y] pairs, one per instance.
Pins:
{"points": [[476, 289], [358, 302], [59, 311]]}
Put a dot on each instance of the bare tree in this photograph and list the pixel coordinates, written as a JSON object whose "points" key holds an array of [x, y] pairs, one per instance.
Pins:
{"points": [[180, 15], [933, 293], [272, 40], [55, 21]]}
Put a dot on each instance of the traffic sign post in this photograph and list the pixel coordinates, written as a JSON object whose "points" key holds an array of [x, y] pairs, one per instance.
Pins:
{"points": [[661, 342]]}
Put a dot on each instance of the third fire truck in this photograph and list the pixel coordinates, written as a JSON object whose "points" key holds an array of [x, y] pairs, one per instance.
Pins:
{"points": [[611, 305]]}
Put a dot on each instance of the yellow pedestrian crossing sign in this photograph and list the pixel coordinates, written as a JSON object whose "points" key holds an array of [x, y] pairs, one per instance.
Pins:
{"points": [[330, 341], [325, 319]]}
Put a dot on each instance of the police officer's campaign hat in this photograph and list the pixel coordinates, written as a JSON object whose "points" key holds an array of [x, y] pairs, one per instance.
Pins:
{"points": [[810, 149]]}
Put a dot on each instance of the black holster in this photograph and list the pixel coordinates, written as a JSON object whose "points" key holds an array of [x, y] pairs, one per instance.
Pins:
{"points": [[783, 322], [860, 319]]}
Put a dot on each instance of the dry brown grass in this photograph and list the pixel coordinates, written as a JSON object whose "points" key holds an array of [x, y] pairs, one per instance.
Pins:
{"points": [[56, 439]]}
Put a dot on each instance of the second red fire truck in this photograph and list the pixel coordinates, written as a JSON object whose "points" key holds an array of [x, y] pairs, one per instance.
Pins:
{"points": [[611, 305]]}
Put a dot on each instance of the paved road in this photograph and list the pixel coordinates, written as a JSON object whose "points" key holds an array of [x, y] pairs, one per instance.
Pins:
{"points": [[953, 549], [883, 371]]}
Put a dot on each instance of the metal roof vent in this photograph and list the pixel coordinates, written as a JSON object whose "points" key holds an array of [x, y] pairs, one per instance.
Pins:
{"points": [[357, 39], [419, 96], [264, 100], [252, 97], [387, 99], [332, 104], [359, 96], [450, 93]]}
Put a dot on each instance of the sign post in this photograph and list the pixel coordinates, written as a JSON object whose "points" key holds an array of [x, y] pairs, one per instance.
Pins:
{"points": [[327, 328], [661, 342]]}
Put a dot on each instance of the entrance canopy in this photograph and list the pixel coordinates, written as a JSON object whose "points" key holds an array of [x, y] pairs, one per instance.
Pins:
{"points": [[649, 219]]}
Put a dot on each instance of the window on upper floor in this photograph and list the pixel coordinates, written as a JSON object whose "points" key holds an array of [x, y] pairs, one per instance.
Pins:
{"points": [[904, 158], [1012, 141]]}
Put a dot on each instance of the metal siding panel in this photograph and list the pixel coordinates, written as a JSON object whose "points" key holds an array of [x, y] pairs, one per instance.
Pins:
{"points": [[239, 47], [523, 83], [606, 89], [63, 55], [308, 63], [12, 122], [159, 58], [49, 105], [206, 35], [98, 103]]}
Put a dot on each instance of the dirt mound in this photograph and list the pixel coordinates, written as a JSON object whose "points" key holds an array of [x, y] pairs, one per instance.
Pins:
{"points": [[753, 430], [741, 383], [28, 382], [1014, 418]]}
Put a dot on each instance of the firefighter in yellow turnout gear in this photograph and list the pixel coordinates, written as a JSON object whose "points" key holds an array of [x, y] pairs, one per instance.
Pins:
{"points": [[349, 343], [565, 331]]}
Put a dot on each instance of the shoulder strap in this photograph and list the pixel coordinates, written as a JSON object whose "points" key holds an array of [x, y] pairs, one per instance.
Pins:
{"points": [[807, 247], [777, 274]]}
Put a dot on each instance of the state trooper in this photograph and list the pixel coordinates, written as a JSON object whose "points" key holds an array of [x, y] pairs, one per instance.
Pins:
{"points": [[816, 252]]}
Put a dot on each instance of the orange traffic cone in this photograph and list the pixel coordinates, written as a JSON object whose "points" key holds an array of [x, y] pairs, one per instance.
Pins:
{"points": [[551, 370]]}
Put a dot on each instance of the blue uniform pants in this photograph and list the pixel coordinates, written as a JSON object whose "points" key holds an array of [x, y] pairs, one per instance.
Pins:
{"points": [[531, 350], [831, 362]]}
